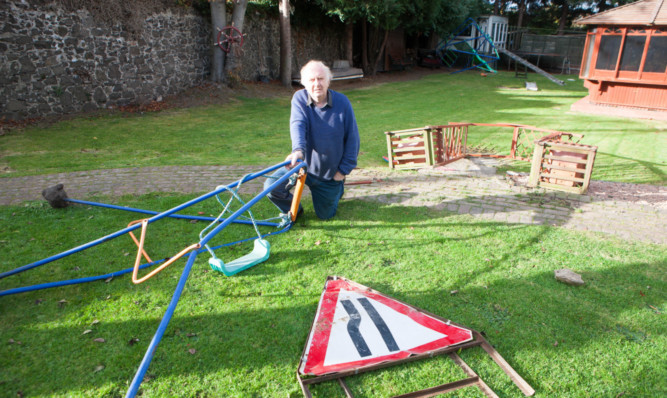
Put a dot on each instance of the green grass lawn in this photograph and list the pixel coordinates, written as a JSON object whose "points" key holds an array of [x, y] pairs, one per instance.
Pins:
{"points": [[242, 336], [255, 130], [603, 339]]}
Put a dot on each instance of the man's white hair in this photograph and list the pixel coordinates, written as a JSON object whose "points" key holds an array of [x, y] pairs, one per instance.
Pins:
{"points": [[308, 68]]}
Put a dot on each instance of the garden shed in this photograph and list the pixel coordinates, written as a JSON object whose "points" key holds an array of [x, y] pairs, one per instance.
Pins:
{"points": [[625, 55]]}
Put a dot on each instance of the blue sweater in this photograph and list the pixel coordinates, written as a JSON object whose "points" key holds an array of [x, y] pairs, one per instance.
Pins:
{"points": [[328, 136]]}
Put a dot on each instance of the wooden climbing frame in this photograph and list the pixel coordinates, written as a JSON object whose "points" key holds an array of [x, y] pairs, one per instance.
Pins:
{"points": [[560, 165], [439, 145]]}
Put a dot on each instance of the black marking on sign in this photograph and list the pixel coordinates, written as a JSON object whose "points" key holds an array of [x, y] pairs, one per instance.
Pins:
{"points": [[353, 329], [380, 324], [355, 320]]}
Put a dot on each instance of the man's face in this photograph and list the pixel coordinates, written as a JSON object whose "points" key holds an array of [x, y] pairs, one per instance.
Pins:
{"points": [[317, 84]]}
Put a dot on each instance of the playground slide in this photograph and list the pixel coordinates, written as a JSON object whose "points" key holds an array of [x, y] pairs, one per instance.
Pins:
{"points": [[531, 66]]}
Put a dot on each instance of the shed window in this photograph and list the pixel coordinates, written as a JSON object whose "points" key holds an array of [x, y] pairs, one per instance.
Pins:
{"points": [[633, 48], [656, 56], [608, 52]]}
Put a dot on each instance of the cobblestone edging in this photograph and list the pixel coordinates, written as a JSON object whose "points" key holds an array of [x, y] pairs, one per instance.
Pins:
{"points": [[629, 211]]}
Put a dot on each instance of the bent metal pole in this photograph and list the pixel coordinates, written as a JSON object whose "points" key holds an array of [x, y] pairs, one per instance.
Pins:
{"points": [[148, 356], [136, 226]]}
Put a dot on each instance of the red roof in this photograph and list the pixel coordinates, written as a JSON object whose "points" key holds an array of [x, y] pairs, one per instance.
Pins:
{"points": [[643, 12]]}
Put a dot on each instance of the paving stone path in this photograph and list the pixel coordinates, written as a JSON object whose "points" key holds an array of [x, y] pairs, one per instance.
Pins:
{"points": [[635, 212]]}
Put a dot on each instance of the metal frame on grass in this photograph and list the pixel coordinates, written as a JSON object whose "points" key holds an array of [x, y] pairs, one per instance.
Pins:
{"points": [[150, 351]]}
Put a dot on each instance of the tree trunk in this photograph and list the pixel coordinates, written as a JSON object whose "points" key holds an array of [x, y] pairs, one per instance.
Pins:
{"points": [[377, 49], [522, 11], [496, 7], [238, 18], [349, 40], [285, 44], [218, 21], [364, 46], [564, 14]]}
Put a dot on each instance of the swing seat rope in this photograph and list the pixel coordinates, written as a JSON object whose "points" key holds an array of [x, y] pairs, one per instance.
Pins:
{"points": [[260, 252]]}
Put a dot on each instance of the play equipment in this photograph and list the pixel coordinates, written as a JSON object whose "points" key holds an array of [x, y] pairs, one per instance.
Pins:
{"points": [[260, 252], [527, 64], [562, 165], [478, 50], [470, 43], [557, 161], [217, 225]]}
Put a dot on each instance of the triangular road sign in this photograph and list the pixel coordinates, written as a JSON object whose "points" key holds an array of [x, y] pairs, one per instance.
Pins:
{"points": [[357, 327]]}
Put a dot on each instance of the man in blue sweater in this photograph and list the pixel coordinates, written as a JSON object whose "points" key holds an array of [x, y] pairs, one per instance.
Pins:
{"points": [[324, 133]]}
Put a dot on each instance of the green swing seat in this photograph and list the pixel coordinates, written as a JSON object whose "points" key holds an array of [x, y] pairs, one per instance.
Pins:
{"points": [[259, 254]]}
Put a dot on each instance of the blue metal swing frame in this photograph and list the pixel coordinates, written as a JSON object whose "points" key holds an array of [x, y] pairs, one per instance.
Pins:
{"points": [[172, 213]]}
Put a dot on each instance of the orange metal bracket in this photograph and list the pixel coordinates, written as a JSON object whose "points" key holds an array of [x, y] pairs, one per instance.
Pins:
{"points": [[298, 191], [134, 238], [140, 252]]}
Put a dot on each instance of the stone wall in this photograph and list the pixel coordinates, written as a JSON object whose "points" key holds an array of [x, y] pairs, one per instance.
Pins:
{"points": [[261, 48], [55, 62]]}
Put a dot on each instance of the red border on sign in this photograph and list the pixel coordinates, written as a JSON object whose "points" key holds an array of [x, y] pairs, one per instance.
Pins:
{"points": [[321, 331]]}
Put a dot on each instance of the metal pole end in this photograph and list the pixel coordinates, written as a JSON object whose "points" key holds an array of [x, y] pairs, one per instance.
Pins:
{"points": [[56, 196]]}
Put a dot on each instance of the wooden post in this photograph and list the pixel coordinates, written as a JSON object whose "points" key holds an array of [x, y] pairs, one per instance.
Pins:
{"points": [[589, 169], [390, 151], [536, 165]]}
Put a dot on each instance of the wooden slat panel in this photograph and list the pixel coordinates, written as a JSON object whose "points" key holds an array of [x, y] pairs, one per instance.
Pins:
{"points": [[561, 177], [562, 168], [566, 159]]}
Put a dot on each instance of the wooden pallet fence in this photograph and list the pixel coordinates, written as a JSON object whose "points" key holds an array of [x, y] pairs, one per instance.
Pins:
{"points": [[410, 149], [449, 142], [563, 166]]}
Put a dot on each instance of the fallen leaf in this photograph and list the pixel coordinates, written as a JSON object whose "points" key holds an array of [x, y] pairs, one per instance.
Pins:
{"points": [[87, 331], [98, 368], [10, 341], [193, 221], [62, 302], [201, 213], [95, 322], [453, 292], [99, 340], [191, 334], [317, 243], [133, 340], [556, 343], [192, 351], [39, 301], [108, 279]]}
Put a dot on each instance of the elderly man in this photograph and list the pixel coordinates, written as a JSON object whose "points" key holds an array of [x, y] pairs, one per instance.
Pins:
{"points": [[324, 133]]}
